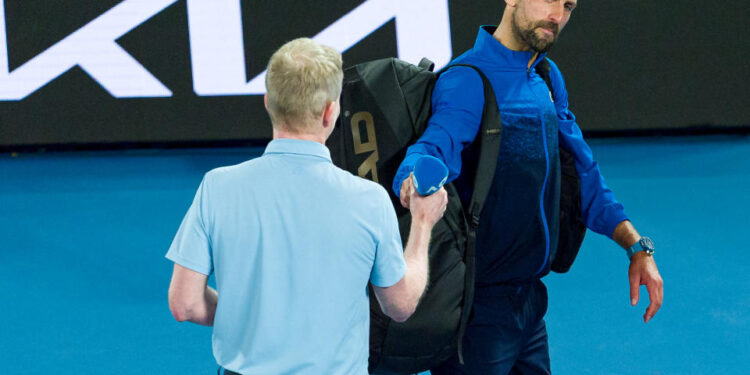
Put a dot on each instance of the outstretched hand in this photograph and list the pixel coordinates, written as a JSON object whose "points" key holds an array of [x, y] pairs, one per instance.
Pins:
{"points": [[643, 271]]}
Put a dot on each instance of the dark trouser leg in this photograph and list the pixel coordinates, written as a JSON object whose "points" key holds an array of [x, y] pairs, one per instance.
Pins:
{"points": [[535, 357], [506, 334]]}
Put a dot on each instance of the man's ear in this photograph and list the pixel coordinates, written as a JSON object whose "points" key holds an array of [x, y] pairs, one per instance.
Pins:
{"points": [[329, 114], [265, 100]]}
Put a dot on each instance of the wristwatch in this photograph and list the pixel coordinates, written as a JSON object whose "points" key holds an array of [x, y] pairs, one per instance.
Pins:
{"points": [[644, 244]]}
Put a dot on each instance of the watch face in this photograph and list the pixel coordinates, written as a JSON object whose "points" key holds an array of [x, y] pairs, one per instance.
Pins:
{"points": [[647, 244]]}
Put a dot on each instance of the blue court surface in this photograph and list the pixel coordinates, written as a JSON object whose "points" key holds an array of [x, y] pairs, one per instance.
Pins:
{"points": [[83, 278]]}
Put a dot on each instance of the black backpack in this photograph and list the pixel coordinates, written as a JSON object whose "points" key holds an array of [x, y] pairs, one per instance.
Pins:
{"points": [[385, 107]]}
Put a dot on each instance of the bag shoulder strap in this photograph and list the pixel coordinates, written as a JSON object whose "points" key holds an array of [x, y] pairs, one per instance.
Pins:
{"points": [[490, 135], [543, 68]]}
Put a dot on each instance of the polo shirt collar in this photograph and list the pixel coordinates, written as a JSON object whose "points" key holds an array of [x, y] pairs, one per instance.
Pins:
{"points": [[493, 50], [298, 147]]}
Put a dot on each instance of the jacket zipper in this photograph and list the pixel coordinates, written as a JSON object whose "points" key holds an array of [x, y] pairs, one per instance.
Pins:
{"points": [[544, 186]]}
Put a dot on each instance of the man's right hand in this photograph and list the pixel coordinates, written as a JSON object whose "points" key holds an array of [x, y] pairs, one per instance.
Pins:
{"points": [[407, 188], [428, 209]]}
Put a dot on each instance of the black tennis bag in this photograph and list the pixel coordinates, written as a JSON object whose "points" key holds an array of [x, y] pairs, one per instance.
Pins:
{"points": [[385, 107]]}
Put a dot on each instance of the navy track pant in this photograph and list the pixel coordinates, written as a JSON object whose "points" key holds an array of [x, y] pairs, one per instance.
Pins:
{"points": [[506, 335]]}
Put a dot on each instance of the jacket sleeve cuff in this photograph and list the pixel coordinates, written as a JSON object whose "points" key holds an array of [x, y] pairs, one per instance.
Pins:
{"points": [[406, 167], [611, 217]]}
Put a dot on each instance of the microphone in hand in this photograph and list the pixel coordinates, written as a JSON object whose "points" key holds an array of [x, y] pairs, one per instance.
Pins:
{"points": [[430, 174]]}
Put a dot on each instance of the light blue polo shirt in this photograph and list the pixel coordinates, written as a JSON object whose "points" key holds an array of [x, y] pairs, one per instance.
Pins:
{"points": [[293, 241]]}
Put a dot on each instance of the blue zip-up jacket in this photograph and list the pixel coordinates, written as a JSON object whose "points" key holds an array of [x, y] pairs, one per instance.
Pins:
{"points": [[517, 235]]}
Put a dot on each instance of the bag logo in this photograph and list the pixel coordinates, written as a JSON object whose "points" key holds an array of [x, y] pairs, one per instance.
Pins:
{"points": [[370, 144]]}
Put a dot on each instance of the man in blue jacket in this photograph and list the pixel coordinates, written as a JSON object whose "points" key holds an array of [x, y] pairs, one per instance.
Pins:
{"points": [[519, 226]]}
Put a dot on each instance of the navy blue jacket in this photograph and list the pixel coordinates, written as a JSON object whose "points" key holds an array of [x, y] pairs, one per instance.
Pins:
{"points": [[517, 235]]}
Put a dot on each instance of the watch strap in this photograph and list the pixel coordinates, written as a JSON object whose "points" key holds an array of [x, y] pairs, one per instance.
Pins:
{"points": [[643, 244]]}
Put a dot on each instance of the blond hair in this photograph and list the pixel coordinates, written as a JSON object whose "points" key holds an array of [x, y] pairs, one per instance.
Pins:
{"points": [[302, 78]]}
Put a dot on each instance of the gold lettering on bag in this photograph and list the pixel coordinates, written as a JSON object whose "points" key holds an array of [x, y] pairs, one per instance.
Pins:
{"points": [[370, 144]]}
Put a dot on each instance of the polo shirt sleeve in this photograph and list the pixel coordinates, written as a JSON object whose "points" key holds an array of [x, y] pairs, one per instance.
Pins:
{"points": [[191, 247], [389, 266], [601, 212]]}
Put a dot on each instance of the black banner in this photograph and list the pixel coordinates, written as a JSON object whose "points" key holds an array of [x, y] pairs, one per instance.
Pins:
{"points": [[163, 71]]}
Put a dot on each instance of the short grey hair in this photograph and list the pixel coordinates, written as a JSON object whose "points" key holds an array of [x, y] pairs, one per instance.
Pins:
{"points": [[302, 78]]}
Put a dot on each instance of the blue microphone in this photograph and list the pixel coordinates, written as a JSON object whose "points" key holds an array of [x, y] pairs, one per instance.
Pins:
{"points": [[430, 174]]}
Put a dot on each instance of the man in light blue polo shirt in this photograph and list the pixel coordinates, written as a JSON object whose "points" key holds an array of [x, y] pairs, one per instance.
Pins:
{"points": [[294, 240]]}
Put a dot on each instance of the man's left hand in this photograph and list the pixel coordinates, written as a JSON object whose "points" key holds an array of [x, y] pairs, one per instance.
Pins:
{"points": [[643, 271]]}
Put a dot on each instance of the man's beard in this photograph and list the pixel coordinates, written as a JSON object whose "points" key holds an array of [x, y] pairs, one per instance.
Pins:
{"points": [[530, 37]]}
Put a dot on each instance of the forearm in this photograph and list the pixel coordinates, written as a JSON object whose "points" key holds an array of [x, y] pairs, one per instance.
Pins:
{"points": [[208, 308], [416, 257], [399, 301], [625, 234], [205, 314]]}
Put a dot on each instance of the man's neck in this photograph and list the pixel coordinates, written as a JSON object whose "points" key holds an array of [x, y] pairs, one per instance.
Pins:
{"points": [[280, 134], [504, 35]]}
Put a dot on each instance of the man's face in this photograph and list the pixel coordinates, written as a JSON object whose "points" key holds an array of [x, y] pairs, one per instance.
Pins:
{"points": [[538, 22]]}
